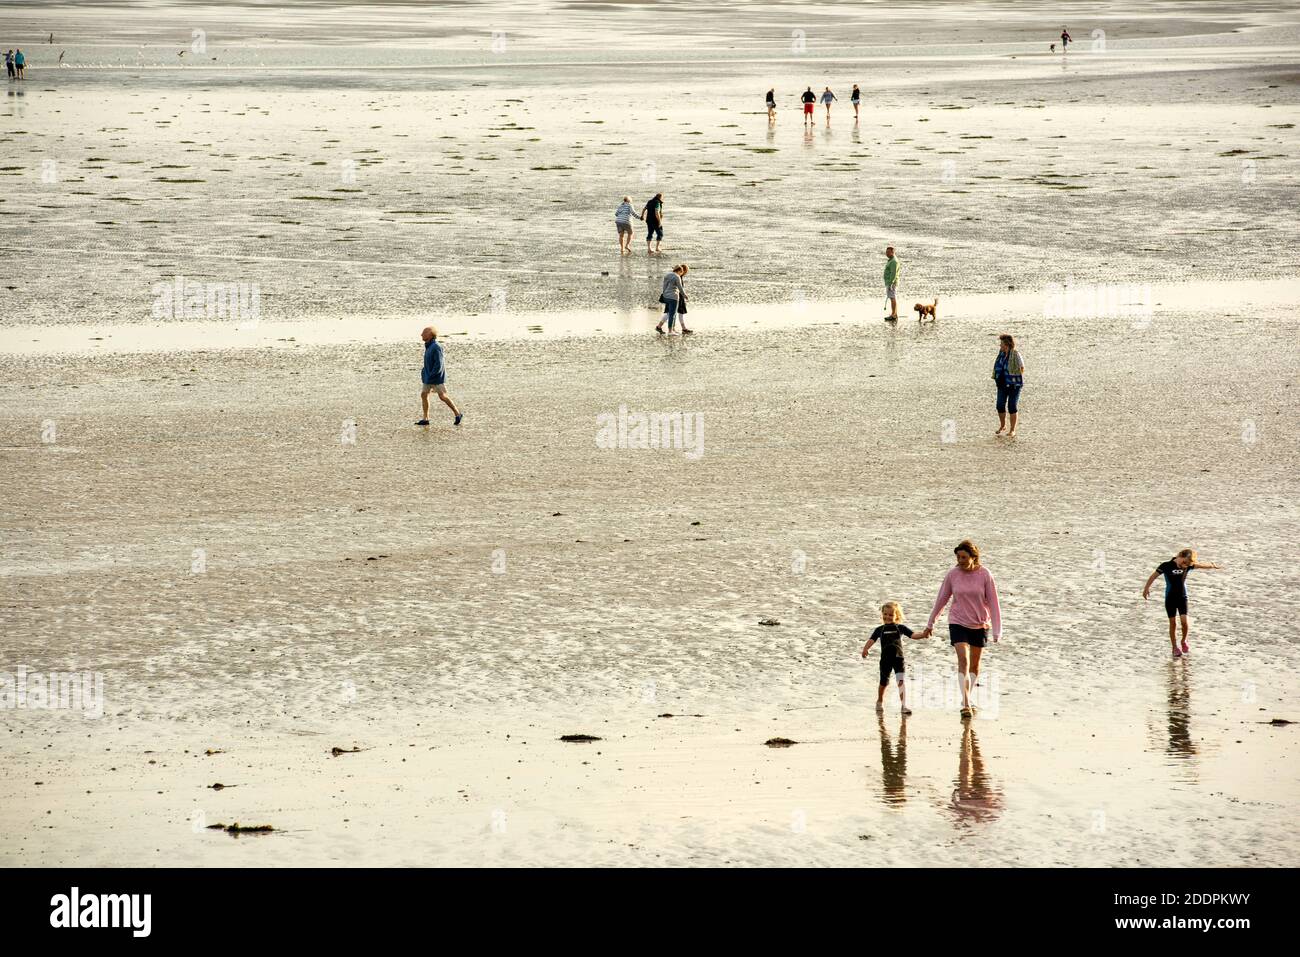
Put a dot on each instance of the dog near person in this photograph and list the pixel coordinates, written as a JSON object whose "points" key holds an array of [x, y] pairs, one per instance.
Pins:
{"points": [[923, 310]]}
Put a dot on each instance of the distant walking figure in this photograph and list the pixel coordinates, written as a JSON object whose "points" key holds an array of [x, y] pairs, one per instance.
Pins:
{"points": [[623, 223], [9, 63], [771, 104], [974, 597], [855, 98], [891, 281], [433, 377], [653, 214], [20, 64], [827, 99], [1065, 40], [809, 104], [1009, 374], [1176, 571], [674, 299]]}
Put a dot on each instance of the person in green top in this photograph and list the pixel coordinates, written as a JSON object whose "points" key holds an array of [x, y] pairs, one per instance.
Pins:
{"points": [[891, 282]]}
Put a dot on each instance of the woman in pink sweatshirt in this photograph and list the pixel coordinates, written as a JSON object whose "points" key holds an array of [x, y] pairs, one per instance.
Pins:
{"points": [[974, 597]]}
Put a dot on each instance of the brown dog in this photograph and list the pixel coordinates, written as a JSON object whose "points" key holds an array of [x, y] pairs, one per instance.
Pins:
{"points": [[922, 310]]}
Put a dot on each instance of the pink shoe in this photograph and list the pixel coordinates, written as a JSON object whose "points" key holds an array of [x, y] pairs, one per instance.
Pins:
{"points": [[1177, 654], [1185, 649]]}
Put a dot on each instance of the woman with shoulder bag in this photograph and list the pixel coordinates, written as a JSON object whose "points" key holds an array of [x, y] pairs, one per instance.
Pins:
{"points": [[1009, 374]]}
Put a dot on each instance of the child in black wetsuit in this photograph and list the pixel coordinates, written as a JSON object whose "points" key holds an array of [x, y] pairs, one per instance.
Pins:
{"points": [[890, 637], [1176, 571]]}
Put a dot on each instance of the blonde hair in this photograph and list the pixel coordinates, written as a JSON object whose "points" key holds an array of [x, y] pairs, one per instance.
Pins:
{"points": [[1189, 553], [892, 612], [971, 549]]}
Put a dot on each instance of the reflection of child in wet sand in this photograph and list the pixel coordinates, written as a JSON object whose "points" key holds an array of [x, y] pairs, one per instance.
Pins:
{"points": [[890, 636], [893, 762], [1176, 571], [1181, 744]]}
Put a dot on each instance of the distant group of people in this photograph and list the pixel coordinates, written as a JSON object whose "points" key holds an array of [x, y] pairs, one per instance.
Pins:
{"points": [[975, 614], [809, 99], [673, 296], [16, 64]]}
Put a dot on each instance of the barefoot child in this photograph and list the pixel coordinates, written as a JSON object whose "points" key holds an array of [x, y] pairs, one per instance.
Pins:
{"points": [[890, 636], [1175, 571]]}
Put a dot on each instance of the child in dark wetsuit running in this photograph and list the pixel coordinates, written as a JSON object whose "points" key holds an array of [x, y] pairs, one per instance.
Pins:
{"points": [[890, 637], [1176, 571]]}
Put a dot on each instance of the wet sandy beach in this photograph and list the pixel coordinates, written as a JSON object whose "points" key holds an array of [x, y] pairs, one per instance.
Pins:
{"points": [[425, 595], [243, 535]]}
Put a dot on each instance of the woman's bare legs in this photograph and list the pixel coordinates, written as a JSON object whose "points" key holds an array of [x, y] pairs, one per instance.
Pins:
{"points": [[1012, 430], [963, 670], [1002, 423], [975, 655]]}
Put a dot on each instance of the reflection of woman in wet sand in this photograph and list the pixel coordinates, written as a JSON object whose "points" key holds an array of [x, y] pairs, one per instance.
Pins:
{"points": [[893, 763], [975, 797]]}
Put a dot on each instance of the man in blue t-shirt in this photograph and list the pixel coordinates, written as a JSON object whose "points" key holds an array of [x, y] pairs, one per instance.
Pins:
{"points": [[433, 376]]}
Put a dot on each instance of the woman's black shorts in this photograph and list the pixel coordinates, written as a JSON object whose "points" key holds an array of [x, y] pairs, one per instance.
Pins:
{"points": [[975, 637]]}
